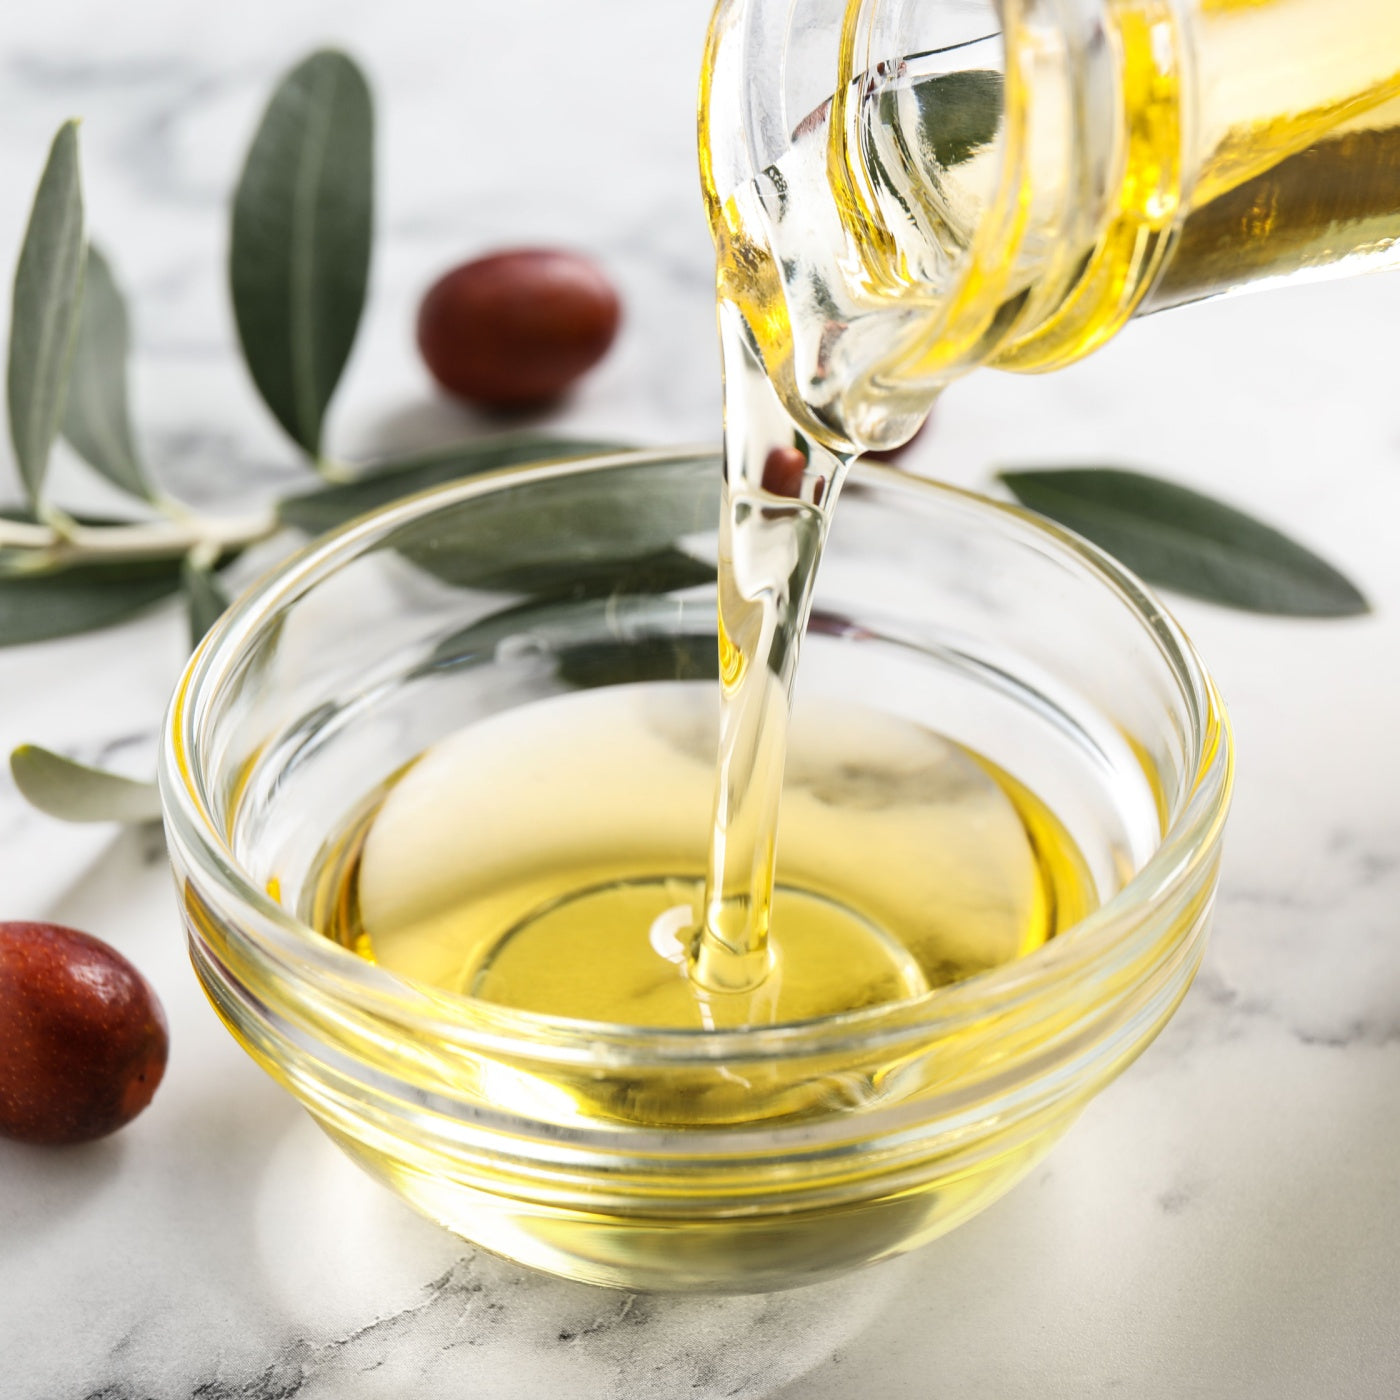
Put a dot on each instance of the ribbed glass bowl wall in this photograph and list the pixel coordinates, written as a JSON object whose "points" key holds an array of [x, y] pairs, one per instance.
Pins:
{"points": [[997, 629]]}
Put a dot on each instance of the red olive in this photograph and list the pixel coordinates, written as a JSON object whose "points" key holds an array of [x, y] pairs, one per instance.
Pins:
{"points": [[783, 470], [515, 329], [785, 473], [83, 1038]]}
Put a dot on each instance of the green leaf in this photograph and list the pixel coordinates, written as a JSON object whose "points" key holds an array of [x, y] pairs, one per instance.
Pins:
{"points": [[575, 534], [61, 603], [74, 792], [48, 286], [302, 227], [596, 641], [330, 506], [589, 628], [205, 597], [1183, 540], [688, 656], [96, 419], [959, 113]]}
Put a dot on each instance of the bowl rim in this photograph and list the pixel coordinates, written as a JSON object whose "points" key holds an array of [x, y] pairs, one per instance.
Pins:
{"points": [[1103, 937]]}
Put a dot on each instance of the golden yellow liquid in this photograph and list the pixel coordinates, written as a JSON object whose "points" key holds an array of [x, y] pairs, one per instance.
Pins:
{"points": [[552, 859], [1331, 205]]}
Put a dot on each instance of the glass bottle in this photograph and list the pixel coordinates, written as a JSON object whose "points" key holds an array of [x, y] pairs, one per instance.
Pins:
{"points": [[902, 190]]}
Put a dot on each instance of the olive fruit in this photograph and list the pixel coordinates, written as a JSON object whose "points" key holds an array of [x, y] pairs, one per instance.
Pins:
{"points": [[783, 470], [513, 330], [83, 1038], [785, 474]]}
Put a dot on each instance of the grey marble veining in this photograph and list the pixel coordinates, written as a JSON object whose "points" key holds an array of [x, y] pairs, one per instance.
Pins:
{"points": [[1222, 1221]]}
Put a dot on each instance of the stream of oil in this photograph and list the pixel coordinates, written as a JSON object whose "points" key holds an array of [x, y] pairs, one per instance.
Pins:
{"points": [[586, 857]]}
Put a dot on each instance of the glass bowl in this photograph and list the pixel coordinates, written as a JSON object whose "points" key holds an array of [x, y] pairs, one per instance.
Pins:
{"points": [[894, 1122]]}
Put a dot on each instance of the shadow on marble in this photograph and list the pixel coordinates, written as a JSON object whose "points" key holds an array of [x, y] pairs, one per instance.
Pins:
{"points": [[330, 1242], [46, 1187]]}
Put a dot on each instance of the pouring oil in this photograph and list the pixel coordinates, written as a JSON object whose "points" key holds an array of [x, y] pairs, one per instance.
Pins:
{"points": [[586, 857], [916, 225]]}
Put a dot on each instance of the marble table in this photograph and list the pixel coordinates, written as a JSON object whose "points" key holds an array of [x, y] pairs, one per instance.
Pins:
{"points": [[1223, 1222]]}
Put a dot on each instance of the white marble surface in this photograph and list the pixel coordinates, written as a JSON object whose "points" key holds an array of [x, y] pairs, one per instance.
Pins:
{"points": [[1224, 1222]]}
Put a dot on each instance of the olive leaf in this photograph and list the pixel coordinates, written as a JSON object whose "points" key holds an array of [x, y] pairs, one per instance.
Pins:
{"points": [[74, 792], [48, 285], [575, 534], [96, 418], [1189, 542], [329, 506], [551, 575], [302, 227], [205, 598], [959, 113], [598, 640], [686, 656], [35, 607], [554, 624]]}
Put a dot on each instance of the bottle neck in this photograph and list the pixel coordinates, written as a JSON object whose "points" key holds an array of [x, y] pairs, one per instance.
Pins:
{"points": [[1092, 172], [902, 190]]}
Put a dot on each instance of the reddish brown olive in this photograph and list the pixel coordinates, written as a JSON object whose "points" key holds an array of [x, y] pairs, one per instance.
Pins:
{"points": [[783, 470], [83, 1038], [785, 474], [515, 329]]}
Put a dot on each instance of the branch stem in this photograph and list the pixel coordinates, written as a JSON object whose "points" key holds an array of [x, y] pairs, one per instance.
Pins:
{"points": [[41, 547]]}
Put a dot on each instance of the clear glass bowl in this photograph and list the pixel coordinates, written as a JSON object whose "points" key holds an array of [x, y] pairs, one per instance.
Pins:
{"points": [[998, 629]]}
